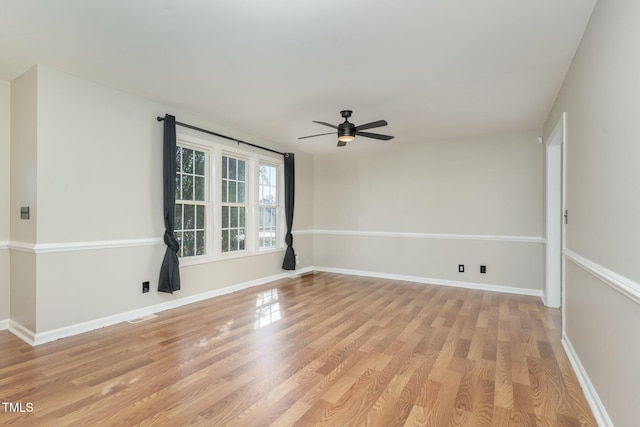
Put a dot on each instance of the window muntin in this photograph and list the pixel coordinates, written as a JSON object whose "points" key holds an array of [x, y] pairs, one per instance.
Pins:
{"points": [[268, 206], [233, 204], [191, 201]]}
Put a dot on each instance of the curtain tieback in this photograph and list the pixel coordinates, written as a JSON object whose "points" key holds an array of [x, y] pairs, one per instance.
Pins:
{"points": [[171, 242]]}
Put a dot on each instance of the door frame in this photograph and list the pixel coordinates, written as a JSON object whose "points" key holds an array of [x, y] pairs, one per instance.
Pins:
{"points": [[555, 149]]}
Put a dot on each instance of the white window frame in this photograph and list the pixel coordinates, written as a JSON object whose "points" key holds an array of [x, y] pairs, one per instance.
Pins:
{"points": [[215, 148]]}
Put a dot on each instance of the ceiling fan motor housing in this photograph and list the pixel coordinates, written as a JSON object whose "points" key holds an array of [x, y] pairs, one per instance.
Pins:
{"points": [[346, 128]]}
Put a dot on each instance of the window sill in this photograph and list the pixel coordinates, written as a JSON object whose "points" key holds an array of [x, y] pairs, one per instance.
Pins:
{"points": [[205, 259]]}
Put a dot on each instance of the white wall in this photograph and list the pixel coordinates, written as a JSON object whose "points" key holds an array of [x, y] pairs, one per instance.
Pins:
{"points": [[5, 223], [601, 95], [99, 175], [484, 193]]}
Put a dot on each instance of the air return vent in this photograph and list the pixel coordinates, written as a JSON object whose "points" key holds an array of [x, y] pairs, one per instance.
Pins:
{"points": [[142, 319]]}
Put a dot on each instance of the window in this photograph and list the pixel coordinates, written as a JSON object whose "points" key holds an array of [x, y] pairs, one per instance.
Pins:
{"points": [[268, 204], [191, 201], [234, 208], [227, 201]]}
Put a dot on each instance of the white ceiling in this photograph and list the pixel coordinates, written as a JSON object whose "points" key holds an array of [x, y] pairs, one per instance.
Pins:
{"points": [[433, 69]]}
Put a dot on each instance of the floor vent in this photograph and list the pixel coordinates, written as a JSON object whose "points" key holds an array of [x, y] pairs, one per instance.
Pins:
{"points": [[142, 319], [297, 276]]}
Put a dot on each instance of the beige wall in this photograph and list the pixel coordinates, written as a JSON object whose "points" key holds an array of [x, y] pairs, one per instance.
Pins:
{"points": [[99, 162], [601, 96], [5, 289], [5, 125], [23, 289], [99, 175], [24, 134], [24, 120], [5, 141], [303, 213], [489, 186], [485, 185], [102, 283]]}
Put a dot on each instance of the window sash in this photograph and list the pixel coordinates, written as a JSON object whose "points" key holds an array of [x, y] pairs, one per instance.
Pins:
{"points": [[234, 203], [268, 203], [191, 228], [192, 201], [234, 180], [191, 178]]}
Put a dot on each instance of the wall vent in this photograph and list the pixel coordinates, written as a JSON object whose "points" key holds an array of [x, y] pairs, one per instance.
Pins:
{"points": [[142, 319]]}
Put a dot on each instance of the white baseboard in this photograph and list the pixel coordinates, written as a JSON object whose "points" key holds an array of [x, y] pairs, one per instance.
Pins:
{"points": [[67, 331], [548, 304], [431, 281], [4, 324], [21, 332], [543, 297], [589, 391]]}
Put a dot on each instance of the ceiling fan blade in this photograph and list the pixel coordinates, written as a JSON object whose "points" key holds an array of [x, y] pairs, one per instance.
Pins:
{"points": [[372, 125], [341, 143], [374, 135], [326, 124], [320, 134]]}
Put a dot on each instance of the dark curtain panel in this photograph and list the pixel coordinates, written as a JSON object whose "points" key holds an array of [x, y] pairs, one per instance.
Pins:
{"points": [[289, 262], [169, 271]]}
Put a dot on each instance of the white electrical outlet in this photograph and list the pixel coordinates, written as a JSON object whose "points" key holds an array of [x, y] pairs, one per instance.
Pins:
{"points": [[297, 260]]}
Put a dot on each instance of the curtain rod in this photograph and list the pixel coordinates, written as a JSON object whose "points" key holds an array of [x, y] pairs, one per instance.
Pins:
{"points": [[222, 136]]}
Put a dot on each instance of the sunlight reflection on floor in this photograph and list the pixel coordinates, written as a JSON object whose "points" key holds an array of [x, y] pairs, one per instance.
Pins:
{"points": [[267, 308]]}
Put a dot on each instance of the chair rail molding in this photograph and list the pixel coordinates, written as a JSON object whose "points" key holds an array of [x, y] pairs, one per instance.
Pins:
{"points": [[625, 286], [441, 236]]}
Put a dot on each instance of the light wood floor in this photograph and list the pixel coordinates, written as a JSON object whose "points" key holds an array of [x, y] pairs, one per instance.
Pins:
{"points": [[323, 349]]}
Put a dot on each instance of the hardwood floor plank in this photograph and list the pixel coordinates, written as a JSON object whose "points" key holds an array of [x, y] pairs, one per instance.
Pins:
{"points": [[417, 417], [503, 363], [441, 409], [503, 397], [291, 415], [321, 349], [391, 408]]}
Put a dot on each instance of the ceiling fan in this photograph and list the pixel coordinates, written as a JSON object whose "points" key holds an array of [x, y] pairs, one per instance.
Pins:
{"points": [[347, 131]]}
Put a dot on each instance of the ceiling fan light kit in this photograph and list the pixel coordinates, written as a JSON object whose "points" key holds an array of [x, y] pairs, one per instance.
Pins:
{"points": [[347, 131]]}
